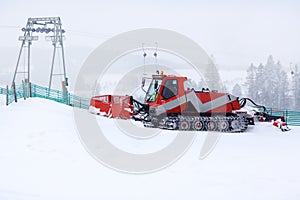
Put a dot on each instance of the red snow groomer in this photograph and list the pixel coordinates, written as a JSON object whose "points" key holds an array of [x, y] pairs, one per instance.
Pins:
{"points": [[171, 103]]}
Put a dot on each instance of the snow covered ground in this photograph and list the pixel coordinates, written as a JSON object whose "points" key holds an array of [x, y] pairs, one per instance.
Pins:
{"points": [[41, 157]]}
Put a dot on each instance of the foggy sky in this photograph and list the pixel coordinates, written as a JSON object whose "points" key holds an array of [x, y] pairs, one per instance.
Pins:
{"points": [[235, 32]]}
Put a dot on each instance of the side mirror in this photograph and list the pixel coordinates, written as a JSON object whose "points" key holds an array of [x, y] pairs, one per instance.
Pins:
{"points": [[143, 85]]}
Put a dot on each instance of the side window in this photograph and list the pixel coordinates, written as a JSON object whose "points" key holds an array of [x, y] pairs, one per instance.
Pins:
{"points": [[170, 89]]}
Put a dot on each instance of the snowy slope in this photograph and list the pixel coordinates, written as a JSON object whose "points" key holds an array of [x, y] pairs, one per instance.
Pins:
{"points": [[41, 157], [2, 100]]}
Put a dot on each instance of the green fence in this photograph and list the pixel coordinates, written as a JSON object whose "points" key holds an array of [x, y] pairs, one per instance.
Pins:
{"points": [[2, 90], [9, 96], [59, 96], [292, 117], [27, 90]]}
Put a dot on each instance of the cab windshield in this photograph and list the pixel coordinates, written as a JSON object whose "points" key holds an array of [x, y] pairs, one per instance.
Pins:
{"points": [[153, 90]]}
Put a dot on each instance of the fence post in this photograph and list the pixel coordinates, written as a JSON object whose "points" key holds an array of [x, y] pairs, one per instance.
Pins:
{"points": [[15, 92], [7, 93], [24, 92], [30, 89]]}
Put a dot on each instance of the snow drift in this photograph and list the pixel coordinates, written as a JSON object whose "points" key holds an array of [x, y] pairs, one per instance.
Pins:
{"points": [[42, 157]]}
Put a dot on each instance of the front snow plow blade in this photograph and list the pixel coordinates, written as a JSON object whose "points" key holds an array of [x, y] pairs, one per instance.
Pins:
{"points": [[112, 106], [116, 106]]}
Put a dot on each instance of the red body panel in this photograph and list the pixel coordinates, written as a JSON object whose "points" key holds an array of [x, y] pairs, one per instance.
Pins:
{"points": [[208, 96], [226, 108]]}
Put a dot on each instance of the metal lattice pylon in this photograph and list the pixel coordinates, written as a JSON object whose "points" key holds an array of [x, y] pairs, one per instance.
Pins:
{"points": [[35, 26]]}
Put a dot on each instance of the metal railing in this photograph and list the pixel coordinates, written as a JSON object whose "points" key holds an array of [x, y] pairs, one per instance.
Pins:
{"points": [[27, 90], [2, 90], [291, 117]]}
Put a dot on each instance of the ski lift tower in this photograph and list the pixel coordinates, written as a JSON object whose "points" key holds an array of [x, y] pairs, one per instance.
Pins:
{"points": [[34, 27]]}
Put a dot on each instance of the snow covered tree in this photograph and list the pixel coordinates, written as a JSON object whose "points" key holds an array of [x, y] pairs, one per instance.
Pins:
{"points": [[212, 77], [271, 74], [259, 84], [283, 92], [224, 88], [268, 84], [237, 90], [295, 89], [250, 82]]}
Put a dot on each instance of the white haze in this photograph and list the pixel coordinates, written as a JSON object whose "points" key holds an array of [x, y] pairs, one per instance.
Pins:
{"points": [[236, 33]]}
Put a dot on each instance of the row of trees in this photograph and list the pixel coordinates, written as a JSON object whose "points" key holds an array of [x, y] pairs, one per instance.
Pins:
{"points": [[271, 86], [267, 84]]}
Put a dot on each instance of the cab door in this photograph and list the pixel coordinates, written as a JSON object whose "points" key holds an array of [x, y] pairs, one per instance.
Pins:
{"points": [[171, 96]]}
